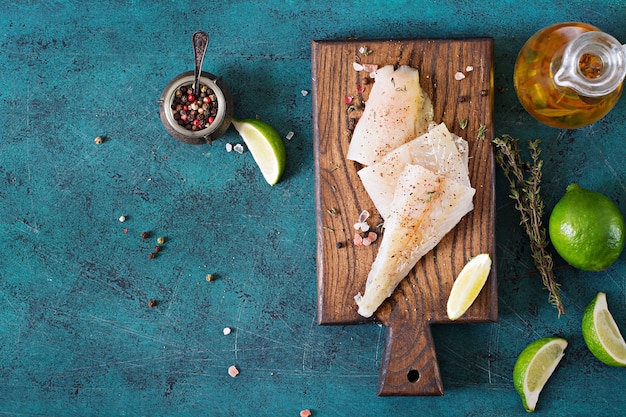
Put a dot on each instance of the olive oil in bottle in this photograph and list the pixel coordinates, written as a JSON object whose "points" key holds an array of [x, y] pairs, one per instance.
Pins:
{"points": [[570, 75]]}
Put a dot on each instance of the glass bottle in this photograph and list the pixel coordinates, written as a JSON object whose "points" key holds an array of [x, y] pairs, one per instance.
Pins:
{"points": [[570, 75]]}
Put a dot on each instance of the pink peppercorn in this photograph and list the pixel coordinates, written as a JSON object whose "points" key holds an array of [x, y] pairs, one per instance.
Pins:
{"points": [[211, 119], [206, 100], [191, 98]]}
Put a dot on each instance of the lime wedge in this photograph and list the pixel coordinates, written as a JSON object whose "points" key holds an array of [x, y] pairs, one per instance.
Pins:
{"points": [[266, 146], [468, 284], [534, 366], [601, 333]]}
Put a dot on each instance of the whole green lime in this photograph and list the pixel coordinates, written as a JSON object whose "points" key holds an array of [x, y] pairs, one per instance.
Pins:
{"points": [[587, 229]]}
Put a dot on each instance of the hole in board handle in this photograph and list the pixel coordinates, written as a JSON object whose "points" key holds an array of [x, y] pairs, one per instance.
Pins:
{"points": [[413, 375]]}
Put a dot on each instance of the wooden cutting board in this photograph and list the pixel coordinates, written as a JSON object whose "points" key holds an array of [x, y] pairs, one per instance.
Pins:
{"points": [[409, 364]]}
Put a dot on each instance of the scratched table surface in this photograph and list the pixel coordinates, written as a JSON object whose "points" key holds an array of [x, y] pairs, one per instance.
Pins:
{"points": [[77, 337]]}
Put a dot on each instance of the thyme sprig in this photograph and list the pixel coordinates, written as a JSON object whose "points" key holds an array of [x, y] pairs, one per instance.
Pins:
{"points": [[525, 186]]}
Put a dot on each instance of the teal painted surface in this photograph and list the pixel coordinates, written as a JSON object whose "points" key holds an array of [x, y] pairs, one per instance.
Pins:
{"points": [[76, 335]]}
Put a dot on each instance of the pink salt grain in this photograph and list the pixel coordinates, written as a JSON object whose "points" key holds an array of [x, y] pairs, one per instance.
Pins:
{"points": [[233, 371], [358, 239], [305, 413], [372, 236]]}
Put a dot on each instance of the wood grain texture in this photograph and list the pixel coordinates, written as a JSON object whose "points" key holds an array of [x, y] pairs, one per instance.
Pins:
{"points": [[409, 365]]}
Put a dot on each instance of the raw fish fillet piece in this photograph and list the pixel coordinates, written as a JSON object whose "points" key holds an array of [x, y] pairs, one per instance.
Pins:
{"points": [[426, 206], [440, 151], [396, 112]]}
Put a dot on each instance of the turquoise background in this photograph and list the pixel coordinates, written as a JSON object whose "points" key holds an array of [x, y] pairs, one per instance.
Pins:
{"points": [[76, 335]]}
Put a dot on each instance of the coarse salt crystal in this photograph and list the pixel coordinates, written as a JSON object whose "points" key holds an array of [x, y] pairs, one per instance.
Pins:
{"points": [[357, 66], [459, 76], [233, 371], [229, 147], [226, 331], [305, 413], [304, 93], [370, 67], [238, 148], [469, 68], [363, 226], [289, 135]]}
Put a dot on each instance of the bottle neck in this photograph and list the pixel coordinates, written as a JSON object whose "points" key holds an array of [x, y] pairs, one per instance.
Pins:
{"points": [[593, 64]]}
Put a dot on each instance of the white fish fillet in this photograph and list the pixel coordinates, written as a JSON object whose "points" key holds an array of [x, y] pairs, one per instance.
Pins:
{"points": [[426, 206], [440, 151], [397, 111]]}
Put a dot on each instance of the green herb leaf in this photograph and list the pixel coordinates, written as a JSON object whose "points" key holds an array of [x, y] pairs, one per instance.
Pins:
{"points": [[481, 132], [524, 188]]}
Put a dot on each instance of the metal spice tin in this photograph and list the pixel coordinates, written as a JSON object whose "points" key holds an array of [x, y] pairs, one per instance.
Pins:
{"points": [[222, 119]]}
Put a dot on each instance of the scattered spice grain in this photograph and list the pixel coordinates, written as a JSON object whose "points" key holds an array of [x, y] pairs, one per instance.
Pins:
{"points": [[365, 50], [152, 303], [209, 277], [161, 240], [233, 371], [151, 255], [145, 235], [305, 413], [98, 140]]}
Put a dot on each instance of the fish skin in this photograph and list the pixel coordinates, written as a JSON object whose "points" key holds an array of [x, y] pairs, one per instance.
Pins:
{"points": [[397, 111], [425, 208]]}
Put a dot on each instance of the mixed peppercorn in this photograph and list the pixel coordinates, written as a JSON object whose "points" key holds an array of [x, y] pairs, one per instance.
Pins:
{"points": [[194, 111]]}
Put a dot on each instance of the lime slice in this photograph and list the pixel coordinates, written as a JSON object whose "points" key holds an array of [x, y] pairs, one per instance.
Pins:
{"points": [[468, 284], [534, 366], [601, 333], [266, 146]]}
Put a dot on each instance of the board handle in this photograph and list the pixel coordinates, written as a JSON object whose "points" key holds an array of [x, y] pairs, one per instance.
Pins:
{"points": [[409, 365]]}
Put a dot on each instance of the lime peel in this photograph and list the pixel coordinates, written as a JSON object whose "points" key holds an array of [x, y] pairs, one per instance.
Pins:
{"points": [[468, 285], [587, 229], [265, 145], [601, 334], [534, 366]]}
